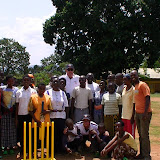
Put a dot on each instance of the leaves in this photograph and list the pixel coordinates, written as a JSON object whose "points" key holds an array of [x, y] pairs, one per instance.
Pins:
{"points": [[14, 58], [101, 35]]}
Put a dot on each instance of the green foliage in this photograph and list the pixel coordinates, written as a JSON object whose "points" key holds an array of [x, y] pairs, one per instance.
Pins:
{"points": [[53, 65], [101, 35], [42, 77], [13, 57]]}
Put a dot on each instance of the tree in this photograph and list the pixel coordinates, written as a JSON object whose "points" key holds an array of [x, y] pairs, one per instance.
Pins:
{"points": [[54, 65], [13, 57], [101, 35]]}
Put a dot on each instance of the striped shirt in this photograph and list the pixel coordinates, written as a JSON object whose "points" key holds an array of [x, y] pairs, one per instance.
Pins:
{"points": [[111, 102]]}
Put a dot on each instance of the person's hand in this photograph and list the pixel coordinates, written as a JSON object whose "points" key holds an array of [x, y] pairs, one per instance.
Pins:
{"points": [[44, 112], [92, 132], [65, 130], [38, 123], [106, 133], [68, 150], [145, 116], [104, 152]]}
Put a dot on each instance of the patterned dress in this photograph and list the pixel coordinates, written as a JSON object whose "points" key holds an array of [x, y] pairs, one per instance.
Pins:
{"points": [[8, 128]]}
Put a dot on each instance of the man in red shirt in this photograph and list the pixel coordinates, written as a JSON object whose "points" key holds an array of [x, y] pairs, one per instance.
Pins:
{"points": [[143, 115]]}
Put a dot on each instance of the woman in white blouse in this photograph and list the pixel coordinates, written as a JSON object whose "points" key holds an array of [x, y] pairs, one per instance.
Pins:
{"points": [[58, 114]]}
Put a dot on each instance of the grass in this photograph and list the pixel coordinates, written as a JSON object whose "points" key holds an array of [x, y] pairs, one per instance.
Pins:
{"points": [[155, 95], [155, 123]]}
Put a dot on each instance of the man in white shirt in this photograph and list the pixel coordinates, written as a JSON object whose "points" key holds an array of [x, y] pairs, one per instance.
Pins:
{"points": [[90, 84], [87, 129], [72, 81], [93, 86], [22, 115]]}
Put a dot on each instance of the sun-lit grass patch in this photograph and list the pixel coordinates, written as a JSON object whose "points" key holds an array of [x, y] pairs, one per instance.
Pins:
{"points": [[155, 95]]}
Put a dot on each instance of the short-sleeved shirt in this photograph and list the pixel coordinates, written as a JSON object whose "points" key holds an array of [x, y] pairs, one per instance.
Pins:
{"points": [[9, 96], [82, 95], [111, 102], [71, 83], [98, 97], [119, 89], [141, 91], [22, 97], [127, 102], [35, 103], [83, 131], [74, 131], [131, 141], [94, 87], [59, 102]]}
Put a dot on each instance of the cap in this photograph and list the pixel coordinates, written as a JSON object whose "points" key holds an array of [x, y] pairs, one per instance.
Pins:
{"points": [[69, 66], [31, 75], [86, 116], [128, 76]]}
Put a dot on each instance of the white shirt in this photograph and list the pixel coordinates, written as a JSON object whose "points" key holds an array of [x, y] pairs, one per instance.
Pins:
{"points": [[74, 131], [71, 83], [94, 87], [93, 126], [82, 95], [59, 102], [119, 89], [23, 97]]}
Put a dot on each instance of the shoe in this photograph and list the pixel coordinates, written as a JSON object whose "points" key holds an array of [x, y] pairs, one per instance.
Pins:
{"points": [[11, 151], [139, 157], [5, 152], [97, 154]]}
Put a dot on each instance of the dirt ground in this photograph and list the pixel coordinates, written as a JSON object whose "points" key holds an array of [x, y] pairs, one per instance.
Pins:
{"points": [[154, 137]]}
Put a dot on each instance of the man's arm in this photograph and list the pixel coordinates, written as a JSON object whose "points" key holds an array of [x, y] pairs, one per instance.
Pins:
{"points": [[72, 106], [133, 113], [147, 103], [120, 111]]}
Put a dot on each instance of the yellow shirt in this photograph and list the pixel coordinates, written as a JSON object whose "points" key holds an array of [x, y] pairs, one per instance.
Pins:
{"points": [[127, 102], [131, 141], [35, 103]]}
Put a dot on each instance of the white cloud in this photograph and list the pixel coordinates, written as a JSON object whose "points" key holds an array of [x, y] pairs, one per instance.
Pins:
{"points": [[28, 32]]}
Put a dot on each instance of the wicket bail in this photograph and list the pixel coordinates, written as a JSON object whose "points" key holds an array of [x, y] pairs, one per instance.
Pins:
{"points": [[42, 142]]}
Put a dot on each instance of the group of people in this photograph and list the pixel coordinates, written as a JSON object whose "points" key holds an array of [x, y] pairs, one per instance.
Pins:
{"points": [[100, 116]]}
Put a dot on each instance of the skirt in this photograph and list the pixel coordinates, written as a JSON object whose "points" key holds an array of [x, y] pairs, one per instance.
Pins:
{"points": [[8, 131], [109, 122]]}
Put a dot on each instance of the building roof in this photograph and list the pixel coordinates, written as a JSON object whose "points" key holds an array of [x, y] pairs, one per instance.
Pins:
{"points": [[151, 73]]}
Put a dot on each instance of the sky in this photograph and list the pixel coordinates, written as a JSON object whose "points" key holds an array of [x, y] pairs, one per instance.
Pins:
{"points": [[22, 20]]}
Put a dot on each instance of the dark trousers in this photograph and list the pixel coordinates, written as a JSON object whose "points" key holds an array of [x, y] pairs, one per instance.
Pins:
{"points": [[39, 141], [72, 145], [21, 120], [59, 125], [143, 130]]}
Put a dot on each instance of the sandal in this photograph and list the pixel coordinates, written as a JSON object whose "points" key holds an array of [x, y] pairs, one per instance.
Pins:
{"points": [[5, 152]]}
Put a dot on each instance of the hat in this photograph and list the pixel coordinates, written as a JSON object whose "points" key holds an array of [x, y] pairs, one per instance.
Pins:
{"points": [[69, 66], [31, 75], [128, 76], [86, 116]]}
